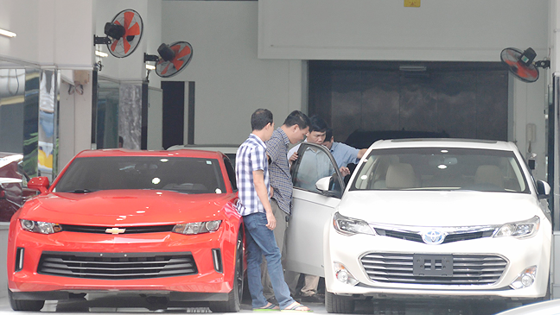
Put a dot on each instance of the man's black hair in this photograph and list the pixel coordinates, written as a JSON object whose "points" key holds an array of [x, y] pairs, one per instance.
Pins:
{"points": [[328, 135], [260, 118], [297, 118], [317, 124]]}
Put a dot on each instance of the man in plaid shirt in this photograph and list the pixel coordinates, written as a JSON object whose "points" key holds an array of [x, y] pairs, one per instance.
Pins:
{"points": [[254, 205], [294, 129]]}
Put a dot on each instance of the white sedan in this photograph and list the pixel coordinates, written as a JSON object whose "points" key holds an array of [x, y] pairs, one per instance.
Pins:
{"points": [[422, 218]]}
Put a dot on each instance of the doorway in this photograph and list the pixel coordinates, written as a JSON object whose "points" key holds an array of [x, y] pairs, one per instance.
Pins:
{"points": [[462, 99]]}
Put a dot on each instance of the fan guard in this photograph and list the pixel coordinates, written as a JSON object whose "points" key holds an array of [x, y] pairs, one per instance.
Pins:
{"points": [[171, 63], [525, 71], [133, 29]]}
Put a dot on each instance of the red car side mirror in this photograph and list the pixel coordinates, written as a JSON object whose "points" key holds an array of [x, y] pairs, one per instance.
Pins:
{"points": [[40, 183]]}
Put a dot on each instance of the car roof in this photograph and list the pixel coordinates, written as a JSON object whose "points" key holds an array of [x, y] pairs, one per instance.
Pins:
{"points": [[224, 148], [162, 153], [445, 142]]}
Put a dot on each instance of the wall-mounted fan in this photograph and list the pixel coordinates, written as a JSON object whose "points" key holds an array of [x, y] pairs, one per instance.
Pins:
{"points": [[123, 33], [520, 63], [172, 58]]}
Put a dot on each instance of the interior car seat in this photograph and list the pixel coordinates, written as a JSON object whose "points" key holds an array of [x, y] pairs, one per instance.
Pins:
{"points": [[400, 175], [489, 174]]}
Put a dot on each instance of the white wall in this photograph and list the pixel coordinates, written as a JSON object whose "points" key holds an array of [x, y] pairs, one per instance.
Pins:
{"points": [[439, 30], [231, 82], [49, 32], [25, 46], [529, 105]]}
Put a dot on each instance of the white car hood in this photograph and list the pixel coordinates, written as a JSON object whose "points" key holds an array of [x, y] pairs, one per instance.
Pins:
{"points": [[438, 208]]}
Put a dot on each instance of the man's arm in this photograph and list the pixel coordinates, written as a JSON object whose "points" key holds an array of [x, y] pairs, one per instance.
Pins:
{"points": [[260, 188], [361, 153], [272, 149]]}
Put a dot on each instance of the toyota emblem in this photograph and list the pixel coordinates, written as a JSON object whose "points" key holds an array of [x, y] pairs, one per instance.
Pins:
{"points": [[433, 237]]}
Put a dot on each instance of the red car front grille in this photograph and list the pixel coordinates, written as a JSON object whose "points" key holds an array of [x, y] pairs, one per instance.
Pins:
{"points": [[107, 230], [117, 266]]}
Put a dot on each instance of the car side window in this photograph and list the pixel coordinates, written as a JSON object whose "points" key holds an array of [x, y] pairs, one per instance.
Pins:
{"points": [[230, 173], [313, 163]]}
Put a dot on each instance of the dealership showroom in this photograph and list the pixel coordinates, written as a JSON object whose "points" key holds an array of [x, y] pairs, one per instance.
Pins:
{"points": [[119, 126]]}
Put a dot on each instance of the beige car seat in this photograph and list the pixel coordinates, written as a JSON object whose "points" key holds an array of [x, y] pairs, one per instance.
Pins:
{"points": [[400, 175], [489, 174]]}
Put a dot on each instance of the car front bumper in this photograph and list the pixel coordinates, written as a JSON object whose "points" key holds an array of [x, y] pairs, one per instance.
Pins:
{"points": [[213, 255], [518, 255]]}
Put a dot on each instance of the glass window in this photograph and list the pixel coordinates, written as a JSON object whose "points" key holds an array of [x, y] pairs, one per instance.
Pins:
{"points": [[185, 175], [441, 169], [231, 173], [314, 164]]}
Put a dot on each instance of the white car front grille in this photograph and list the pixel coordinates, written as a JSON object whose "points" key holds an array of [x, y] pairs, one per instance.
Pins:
{"points": [[430, 269]]}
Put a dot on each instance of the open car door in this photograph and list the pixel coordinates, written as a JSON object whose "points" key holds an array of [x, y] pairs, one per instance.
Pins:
{"points": [[312, 209]]}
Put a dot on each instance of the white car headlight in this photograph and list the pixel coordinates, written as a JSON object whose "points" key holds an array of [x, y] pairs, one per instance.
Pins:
{"points": [[525, 279], [519, 229], [351, 226], [40, 227], [197, 227], [343, 275]]}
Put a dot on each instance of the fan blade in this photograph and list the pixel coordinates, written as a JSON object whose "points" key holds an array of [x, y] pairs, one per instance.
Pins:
{"points": [[183, 52], [128, 16], [114, 45], [177, 63], [166, 68], [133, 30], [178, 54], [522, 71], [126, 45]]}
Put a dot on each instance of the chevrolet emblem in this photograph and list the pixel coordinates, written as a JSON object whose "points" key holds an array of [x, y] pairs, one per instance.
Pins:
{"points": [[115, 231]]}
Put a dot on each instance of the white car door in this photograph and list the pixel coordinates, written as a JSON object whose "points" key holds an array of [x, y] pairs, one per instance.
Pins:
{"points": [[312, 210]]}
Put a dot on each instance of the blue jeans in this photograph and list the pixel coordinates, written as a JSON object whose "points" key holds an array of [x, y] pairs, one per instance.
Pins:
{"points": [[260, 241]]}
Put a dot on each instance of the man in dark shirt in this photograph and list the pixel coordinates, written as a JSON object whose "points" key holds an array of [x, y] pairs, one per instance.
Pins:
{"points": [[293, 130]]}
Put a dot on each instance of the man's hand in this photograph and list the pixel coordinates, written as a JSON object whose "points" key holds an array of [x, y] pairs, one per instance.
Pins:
{"points": [[344, 171], [293, 157], [271, 220], [260, 188]]}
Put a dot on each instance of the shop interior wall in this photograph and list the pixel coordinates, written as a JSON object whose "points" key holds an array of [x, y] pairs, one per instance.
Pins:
{"points": [[230, 80], [439, 30], [233, 80]]}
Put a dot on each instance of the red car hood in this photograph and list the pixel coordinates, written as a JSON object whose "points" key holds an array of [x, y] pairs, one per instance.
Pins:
{"points": [[127, 207]]}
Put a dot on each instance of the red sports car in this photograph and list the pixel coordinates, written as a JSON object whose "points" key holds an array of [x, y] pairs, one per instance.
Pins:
{"points": [[160, 224]]}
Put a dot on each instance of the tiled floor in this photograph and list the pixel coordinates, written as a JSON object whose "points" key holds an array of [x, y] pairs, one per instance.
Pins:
{"points": [[108, 304]]}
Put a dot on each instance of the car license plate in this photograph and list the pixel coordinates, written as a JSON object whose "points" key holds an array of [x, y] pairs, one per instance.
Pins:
{"points": [[433, 265]]}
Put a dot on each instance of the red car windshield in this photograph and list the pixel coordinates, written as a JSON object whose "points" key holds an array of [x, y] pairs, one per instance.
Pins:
{"points": [[180, 174]]}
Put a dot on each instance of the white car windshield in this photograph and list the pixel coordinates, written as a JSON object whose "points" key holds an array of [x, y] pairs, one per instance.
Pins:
{"points": [[441, 169], [179, 174]]}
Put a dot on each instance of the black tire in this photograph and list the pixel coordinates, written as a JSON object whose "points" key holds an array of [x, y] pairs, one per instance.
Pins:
{"points": [[233, 303], [25, 305], [338, 304]]}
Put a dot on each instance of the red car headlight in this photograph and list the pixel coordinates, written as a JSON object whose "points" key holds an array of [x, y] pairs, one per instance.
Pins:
{"points": [[197, 227], [40, 227]]}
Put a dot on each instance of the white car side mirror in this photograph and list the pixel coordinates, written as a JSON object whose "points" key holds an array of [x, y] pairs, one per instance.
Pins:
{"points": [[543, 189], [323, 184]]}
